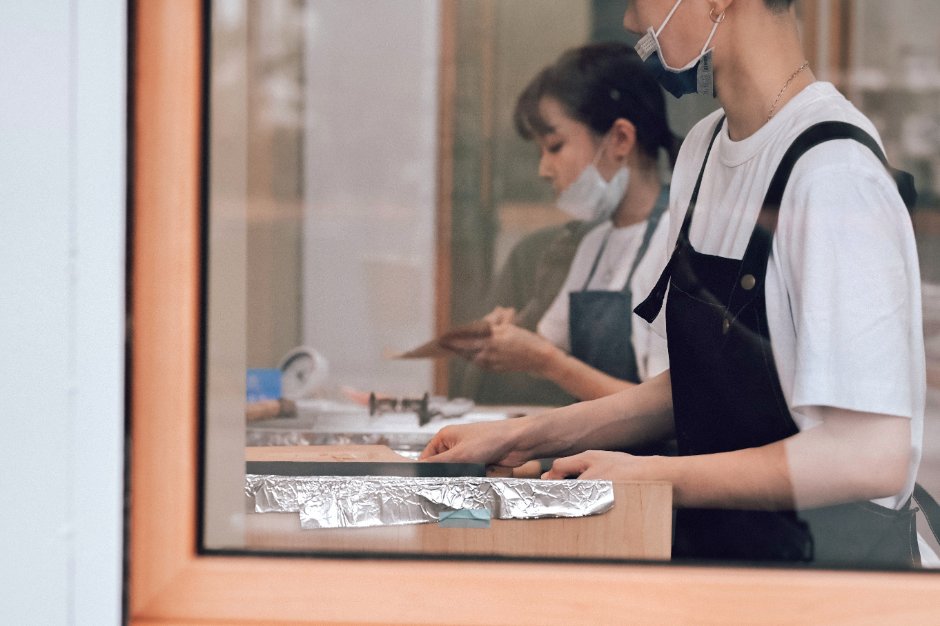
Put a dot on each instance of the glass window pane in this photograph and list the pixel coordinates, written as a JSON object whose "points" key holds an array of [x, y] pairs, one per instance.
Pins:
{"points": [[376, 184]]}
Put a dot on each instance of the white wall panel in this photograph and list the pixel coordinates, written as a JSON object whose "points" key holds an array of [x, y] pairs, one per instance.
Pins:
{"points": [[61, 310]]}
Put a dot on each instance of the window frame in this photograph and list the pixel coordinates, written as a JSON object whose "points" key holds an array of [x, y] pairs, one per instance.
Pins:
{"points": [[170, 581]]}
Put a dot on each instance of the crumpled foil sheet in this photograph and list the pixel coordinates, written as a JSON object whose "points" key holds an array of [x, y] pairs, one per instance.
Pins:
{"points": [[290, 437], [359, 502]]}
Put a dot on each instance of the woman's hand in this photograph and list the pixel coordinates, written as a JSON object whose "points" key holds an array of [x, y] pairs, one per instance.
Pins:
{"points": [[469, 345], [501, 315], [514, 349]]}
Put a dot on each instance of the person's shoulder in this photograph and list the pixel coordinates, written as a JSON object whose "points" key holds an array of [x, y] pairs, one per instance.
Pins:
{"points": [[554, 244], [822, 102], [843, 173], [842, 159], [541, 237]]}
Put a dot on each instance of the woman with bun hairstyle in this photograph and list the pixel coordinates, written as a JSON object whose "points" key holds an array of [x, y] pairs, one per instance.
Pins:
{"points": [[599, 121]]}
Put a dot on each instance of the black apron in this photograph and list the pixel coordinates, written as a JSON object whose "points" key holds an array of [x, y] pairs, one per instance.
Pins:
{"points": [[599, 322], [727, 396]]}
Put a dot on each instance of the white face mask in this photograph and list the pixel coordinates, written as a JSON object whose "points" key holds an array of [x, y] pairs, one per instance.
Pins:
{"points": [[591, 197]]}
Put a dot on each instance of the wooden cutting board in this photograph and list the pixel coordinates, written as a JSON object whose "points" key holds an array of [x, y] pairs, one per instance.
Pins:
{"points": [[324, 453]]}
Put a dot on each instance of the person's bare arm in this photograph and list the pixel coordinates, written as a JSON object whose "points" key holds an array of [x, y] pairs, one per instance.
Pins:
{"points": [[635, 416], [511, 348], [849, 457], [580, 379]]}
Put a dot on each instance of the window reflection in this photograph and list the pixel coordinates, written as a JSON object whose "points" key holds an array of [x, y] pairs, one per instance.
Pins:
{"points": [[366, 162]]}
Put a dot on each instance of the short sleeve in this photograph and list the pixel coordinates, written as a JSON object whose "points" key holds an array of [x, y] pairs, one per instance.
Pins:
{"points": [[846, 260]]}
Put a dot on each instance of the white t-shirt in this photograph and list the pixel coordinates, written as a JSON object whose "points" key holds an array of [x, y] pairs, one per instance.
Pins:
{"points": [[611, 275], [843, 281]]}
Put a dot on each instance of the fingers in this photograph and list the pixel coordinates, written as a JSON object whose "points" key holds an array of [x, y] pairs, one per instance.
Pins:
{"points": [[501, 315], [506, 315], [437, 456], [484, 360], [442, 457], [569, 466], [466, 348], [499, 471], [529, 469], [464, 344], [434, 448], [443, 447]]}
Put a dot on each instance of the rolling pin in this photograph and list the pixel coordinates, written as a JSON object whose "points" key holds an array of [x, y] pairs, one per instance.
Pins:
{"points": [[268, 409]]}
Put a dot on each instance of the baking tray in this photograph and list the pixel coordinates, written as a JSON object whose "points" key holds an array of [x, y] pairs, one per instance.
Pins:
{"points": [[364, 468]]}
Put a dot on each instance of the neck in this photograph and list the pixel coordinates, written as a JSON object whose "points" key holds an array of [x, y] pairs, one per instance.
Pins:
{"points": [[641, 196], [760, 51]]}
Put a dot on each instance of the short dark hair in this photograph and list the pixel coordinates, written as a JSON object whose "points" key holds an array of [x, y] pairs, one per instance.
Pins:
{"points": [[597, 84], [778, 6]]}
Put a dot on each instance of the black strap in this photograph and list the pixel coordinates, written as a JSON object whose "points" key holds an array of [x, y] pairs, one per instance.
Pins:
{"points": [[827, 131], [754, 261], [755, 257], [929, 508], [649, 309]]}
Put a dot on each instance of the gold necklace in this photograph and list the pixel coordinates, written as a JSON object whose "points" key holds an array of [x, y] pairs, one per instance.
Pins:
{"points": [[773, 106]]}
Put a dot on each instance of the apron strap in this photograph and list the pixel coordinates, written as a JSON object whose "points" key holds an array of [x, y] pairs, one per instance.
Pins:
{"points": [[754, 262], [827, 131], [929, 508], [651, 224], [649, 309], [597, 259]]}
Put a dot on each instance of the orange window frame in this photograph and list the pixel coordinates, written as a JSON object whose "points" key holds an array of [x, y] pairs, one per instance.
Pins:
{"points": [[171, 582]]}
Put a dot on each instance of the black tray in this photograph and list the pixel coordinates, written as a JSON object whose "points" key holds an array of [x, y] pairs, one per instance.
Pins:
{"points": [[365, 468]]}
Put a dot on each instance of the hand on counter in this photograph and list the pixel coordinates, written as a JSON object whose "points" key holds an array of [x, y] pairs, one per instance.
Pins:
{"points": [[491, 443], [604, 465]]}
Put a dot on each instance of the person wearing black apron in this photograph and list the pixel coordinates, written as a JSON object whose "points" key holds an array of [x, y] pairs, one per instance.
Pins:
{"points": [[796, 384], [725, 400]]}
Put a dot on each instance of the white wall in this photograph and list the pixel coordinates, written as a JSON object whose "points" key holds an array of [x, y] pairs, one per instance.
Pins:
{"points": [[62, 213], [370, 183]]}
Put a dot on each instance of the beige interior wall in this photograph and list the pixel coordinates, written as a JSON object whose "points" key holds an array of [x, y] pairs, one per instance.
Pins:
{"points": [[524, 202], [274, 187], [225, 340]]}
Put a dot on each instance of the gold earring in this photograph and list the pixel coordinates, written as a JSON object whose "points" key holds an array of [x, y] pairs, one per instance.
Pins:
{"points": [[716, 19]]}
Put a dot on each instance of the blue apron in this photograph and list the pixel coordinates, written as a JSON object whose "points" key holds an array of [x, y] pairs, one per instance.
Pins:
{"points": [[726, 396], [599, 322]]}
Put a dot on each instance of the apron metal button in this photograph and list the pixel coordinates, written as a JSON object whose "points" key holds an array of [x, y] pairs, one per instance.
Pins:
{"points": [[748, 281], [725, 325]]}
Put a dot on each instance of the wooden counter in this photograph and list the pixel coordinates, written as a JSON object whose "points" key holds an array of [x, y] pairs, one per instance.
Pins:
{"points": [[638, 527]]}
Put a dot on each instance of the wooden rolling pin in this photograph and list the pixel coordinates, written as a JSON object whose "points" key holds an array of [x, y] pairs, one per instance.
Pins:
{"points": [[268, 409]]}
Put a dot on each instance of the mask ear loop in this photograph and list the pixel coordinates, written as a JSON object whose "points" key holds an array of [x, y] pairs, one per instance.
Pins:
{"points": [[711, 15], [600, 148], [715, 23], [668, 17]]}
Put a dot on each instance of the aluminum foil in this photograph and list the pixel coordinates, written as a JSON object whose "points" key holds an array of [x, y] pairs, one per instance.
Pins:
{"points": [[358, 502], [301, 437]]}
